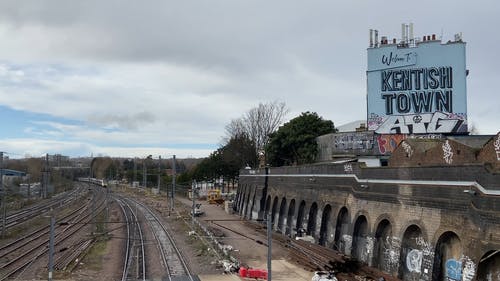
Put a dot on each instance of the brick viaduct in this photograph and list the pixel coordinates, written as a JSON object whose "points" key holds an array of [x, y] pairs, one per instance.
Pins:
{"points": [[416, 223]]}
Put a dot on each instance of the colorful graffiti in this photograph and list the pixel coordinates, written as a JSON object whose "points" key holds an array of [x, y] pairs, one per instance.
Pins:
{"points": [[453, 270], [388, 143]]}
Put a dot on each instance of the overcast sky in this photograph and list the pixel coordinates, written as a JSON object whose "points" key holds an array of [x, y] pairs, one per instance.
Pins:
{"points": [[133, 78]]}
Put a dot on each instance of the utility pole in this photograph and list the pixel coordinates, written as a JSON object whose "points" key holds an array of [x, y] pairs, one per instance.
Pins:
{"points": [[93, 196], [193, 188], [174, 173], [51, 246], [144, 171], [29, 185], [159, 172], [269, 248], [46, 177], [135, 171]]}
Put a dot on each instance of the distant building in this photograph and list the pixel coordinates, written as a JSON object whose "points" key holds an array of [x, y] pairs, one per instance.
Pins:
{"points": [[416, 96]]}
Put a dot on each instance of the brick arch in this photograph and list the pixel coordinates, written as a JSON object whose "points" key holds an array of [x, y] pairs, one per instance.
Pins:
{"points": [[448, 255], [488, 264], [241, 201], [267, 207], [342, 228], [366, 215], [290, 217], [381, 217], [441, 230], [282, 215], [274, 209], [324, 231], [418, 223], [253, 200], [413, 251], [312, 219], [300, 215], [246, 200], [361, 240], [384, 248]]}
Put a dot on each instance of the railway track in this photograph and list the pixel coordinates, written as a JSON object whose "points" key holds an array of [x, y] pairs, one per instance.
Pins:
{"points": [[134, 266], [16, 218], [19, 255], [314, 257], [175, 266]]}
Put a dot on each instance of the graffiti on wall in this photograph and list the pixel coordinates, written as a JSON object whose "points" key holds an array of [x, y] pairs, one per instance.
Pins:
{"points": [[414, 260], [407, 148], [425, 123], [353, 141], [469, 270], [348, 168], [427, 256], [391, 253], [453, 270], [367, 250], [388, 143], [346, 244], [496, 144], [447, 153]]}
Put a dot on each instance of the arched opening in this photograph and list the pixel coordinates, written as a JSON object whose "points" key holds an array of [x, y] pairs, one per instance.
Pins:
{"points": [[252, 205], [447, 258], [289, 219], [325, 219], [360, 240], [488, 267], [268, 206], [311, 222], [300, 217], [342, 241], [282, 215], [237, 201], [275, 208], [241, 201], [245, 203], [382, 257], [411, 254]]}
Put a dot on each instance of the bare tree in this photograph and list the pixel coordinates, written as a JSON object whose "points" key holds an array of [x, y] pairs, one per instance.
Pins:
{"points": [[234, 129], [258, 123]]}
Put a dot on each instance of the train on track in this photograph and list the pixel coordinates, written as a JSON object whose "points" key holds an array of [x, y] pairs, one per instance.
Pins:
{"points": [[99, 182]]}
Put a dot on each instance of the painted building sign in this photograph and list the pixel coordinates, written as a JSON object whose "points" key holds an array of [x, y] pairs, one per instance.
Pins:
{"points": [[417, 90]]}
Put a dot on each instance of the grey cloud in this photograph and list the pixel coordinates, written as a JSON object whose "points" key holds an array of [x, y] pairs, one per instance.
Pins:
{"points": [[128, 122]]}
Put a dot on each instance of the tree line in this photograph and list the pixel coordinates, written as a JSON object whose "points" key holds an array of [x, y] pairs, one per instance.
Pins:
{"points": [[260, 138]]}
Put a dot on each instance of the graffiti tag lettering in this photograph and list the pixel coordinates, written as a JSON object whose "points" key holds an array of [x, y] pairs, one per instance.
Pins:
{"points": [[408, 149], [469, 269], [348, 168], [399, 59], [447, 153], [428, 123], [497, 147]]}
